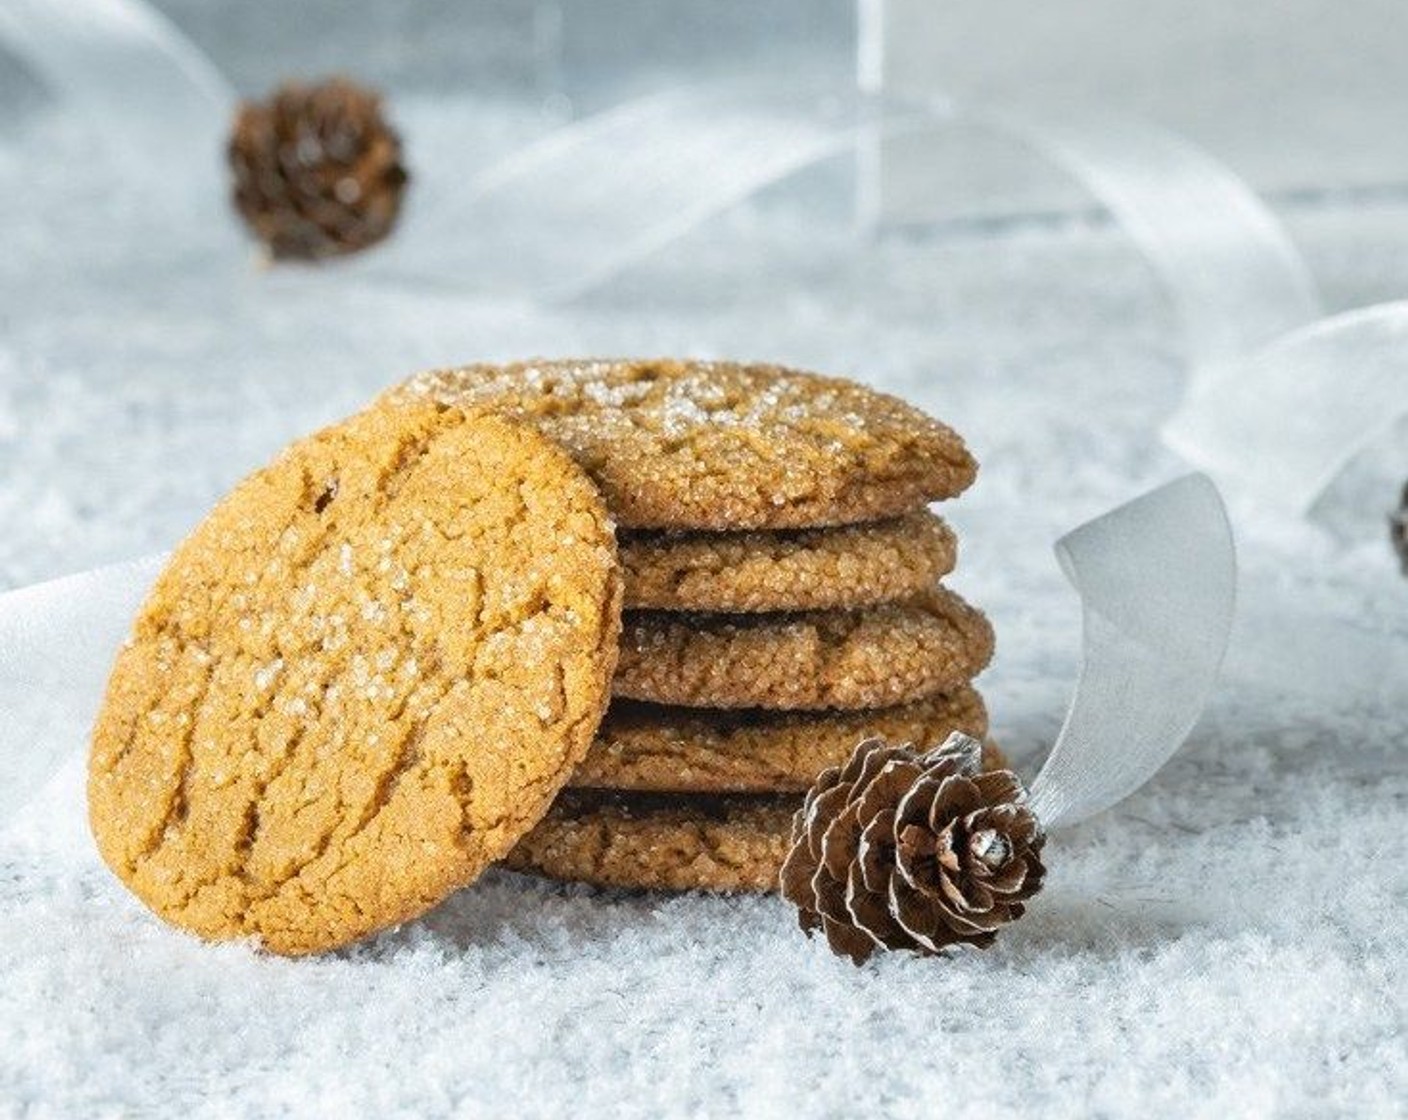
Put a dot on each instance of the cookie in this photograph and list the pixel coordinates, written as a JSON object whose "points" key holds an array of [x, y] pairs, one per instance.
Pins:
{"points": [[674, 842], [720, 445], [875, 657], [359, 681], [677, 843], [789, 570], [648, 747]]}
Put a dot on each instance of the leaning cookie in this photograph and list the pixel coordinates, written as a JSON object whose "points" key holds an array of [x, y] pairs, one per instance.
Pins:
{"points": [[721, 445], [676, 843], [359, 681], [798, 570], [875, 657], [653, 748]]}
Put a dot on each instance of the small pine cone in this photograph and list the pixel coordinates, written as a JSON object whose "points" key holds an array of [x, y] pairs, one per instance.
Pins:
{"points": [[317, 170], [1398, 530], [902, 850]]}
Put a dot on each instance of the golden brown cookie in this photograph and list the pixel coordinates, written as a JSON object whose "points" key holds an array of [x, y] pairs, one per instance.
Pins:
{"points": [[787, 570], [678, 843], [359, 681], [721, 445], [674, 842], [654, 748], [870, 658]]}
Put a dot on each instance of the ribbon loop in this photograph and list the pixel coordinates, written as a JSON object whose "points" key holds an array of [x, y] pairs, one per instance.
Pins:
{"points": [[1278, 425], [598, 196], [1157, 580]]}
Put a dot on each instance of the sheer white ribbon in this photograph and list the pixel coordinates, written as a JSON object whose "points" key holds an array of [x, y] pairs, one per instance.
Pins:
{"points": [[57, 643], [616, 188], [1279, 424], [612, 189], [156, 97], [1157, 579], [1223, 257]]}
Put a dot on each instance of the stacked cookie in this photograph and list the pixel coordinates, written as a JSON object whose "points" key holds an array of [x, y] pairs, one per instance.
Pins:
{"points": [[783, 600]]}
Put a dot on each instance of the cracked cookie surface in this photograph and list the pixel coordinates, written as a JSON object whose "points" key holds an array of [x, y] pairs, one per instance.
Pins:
{"points": [[721, 445], [661, 842], [642, 746], [359, 680], [868, 658], [781, 570]]}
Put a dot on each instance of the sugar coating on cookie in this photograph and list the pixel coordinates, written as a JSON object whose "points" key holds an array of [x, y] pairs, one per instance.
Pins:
{"points": [[869, 658], [651, 747], [678, 843], [787, 570], [359, 681], [721, 445]]}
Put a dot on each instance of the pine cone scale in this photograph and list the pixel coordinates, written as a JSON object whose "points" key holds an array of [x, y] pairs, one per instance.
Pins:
{"points": [[875, 854], [830, 896], [838, 844], [798, 869], [848, 941], [888, 786], [827, 804], [997, 787], [930, 924], [869, 911]]}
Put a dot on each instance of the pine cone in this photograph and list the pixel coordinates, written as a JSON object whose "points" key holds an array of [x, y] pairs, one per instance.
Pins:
{"points": [[903, 850], [1398, 530], [317, 170]]}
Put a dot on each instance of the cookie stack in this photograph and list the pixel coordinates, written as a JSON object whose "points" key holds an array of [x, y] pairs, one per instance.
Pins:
{"points": [[599, 620], [783, 600]]}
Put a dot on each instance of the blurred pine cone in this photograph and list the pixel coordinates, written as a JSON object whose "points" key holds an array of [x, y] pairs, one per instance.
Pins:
{"points": [[1398, 530], [317, 170], [902, 850]]}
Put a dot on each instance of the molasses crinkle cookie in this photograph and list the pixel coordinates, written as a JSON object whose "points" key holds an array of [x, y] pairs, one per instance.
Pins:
{"points": [[721, 445], [842, 567], [661, 842], [359, 681], [893, 653], [657, 748]]}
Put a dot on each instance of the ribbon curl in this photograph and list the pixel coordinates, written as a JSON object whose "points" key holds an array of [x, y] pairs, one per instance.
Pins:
{"points": [[1157, 579], [1278, 425]]}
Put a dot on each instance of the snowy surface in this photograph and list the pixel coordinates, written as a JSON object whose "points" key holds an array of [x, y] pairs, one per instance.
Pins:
{"points": [[1230, 941]]}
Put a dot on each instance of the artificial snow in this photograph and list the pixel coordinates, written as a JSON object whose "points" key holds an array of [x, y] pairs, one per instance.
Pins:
{"points": [[1228, 942]]}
